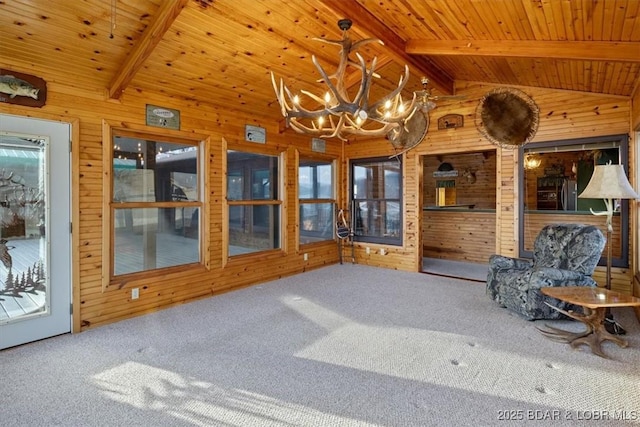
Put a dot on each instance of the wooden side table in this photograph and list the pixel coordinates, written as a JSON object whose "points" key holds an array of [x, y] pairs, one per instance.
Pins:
{"points": [[594, 302]]}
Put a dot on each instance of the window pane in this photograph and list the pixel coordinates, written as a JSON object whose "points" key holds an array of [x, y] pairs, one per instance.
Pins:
{"points": [[253, 228], [376, 218], [315, 180], [376, 200], [552, 176], [151, 238], [24, 216], [154, 171], [258, 171], [377, 180], [316, 222]]}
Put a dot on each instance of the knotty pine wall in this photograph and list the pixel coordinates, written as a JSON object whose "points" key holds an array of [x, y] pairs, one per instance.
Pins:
{"points": [[96, 305], [563, 115]]}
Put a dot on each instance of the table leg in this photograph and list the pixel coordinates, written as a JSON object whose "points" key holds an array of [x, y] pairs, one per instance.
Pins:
{"points": [[594, 334]]}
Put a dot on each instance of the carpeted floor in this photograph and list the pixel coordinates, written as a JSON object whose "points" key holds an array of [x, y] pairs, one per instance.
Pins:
{"points": [[345, 345], [458, 269]]}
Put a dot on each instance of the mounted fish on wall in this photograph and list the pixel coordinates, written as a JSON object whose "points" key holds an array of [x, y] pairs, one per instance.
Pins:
{"points": [[22, 89]]}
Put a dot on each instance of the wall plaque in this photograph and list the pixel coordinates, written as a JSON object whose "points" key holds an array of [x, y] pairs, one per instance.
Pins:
{"points": [[318, 145], [163, 117], [451, 121], [22, 89]]}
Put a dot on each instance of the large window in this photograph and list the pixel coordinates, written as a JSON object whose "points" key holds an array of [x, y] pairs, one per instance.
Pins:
{"points": [[376, 200], [155, 203], [554, 174], [316, 200], [253, 202]]}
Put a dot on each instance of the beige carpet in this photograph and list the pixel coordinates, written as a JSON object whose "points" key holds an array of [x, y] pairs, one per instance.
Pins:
{"points": [[458, 269], [346, 345]]}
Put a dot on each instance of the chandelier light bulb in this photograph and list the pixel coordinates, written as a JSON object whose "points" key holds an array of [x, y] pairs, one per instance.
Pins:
{"points": [[387, 104], [327, 97], [320, 121], [296, 99]]}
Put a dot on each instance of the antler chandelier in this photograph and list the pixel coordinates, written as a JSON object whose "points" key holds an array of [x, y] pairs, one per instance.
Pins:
{"points": [[336, 114]]}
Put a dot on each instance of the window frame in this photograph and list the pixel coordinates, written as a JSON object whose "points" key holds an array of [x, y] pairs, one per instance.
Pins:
{"points": [[386, 240], [109, 206], [329, 161], [243, 203], [622, 141]]}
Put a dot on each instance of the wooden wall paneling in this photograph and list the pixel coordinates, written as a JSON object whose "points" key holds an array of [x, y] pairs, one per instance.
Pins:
{"points": [[96, 307], [460, 236]]}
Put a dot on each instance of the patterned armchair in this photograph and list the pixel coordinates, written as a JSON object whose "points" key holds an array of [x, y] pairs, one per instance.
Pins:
{"points": [[563, 255]]}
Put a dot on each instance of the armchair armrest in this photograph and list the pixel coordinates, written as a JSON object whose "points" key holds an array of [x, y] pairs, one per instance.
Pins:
{"points": [[548, 276], [499, 262]]}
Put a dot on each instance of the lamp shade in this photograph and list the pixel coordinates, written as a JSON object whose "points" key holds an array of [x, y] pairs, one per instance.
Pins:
{"points": [[609, 182]]}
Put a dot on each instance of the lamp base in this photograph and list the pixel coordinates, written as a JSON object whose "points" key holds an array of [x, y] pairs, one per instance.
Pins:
{"points": [[613, 327]]}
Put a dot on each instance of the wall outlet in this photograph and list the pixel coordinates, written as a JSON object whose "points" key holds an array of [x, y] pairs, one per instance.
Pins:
{"points": [[305, 257], [383, 251], [135, 293], [368, 250]]}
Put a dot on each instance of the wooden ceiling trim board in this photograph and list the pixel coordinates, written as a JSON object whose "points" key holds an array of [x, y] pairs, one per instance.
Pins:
{"points": [[474, 26], [597, 16], [493, 25], [577, 20], [445, 20], [635, 27], [537, 19], [608, 16], [514, 16], [555, 20], [290, 53], [631, 22], [394, 44], [443, 16], [163, 20], [617, 24], [583, 50], [570, 20]]}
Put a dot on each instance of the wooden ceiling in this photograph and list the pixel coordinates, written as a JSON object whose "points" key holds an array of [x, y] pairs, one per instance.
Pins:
{"points": [[221, 52]]}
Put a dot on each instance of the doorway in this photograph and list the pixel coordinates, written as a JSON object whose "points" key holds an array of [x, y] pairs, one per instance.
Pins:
{"points": [[459, 213], [35, 237]]}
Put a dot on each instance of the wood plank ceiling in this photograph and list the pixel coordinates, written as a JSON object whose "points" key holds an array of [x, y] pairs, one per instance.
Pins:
{"points": [[221, 52]]}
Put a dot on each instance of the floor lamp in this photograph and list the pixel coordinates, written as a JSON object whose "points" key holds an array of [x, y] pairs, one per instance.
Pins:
{"points": [[609, 182]]}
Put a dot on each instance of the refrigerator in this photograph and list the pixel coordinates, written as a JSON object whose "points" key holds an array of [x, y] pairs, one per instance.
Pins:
{"points": [[569, 195]]}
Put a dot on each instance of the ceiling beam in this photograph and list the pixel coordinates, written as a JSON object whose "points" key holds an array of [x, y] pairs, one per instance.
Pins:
{"points": [[368, 22], [166, 14], [580, 50]]}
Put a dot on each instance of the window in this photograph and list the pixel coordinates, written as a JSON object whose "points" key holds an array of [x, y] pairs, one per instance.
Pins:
{"points": [[552, 176], [316, 200], [155, 203], [253, 202], [376, 200]]}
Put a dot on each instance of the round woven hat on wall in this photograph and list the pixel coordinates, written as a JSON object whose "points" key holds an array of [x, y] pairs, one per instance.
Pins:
{"points": [[507, 117]]}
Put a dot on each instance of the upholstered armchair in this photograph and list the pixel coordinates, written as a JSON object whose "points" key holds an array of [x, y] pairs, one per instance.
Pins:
{"points": [[563, 255]]}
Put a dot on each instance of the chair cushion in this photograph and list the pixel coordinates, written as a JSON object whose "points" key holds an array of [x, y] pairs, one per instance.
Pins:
{"points": [[576, 247]]}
